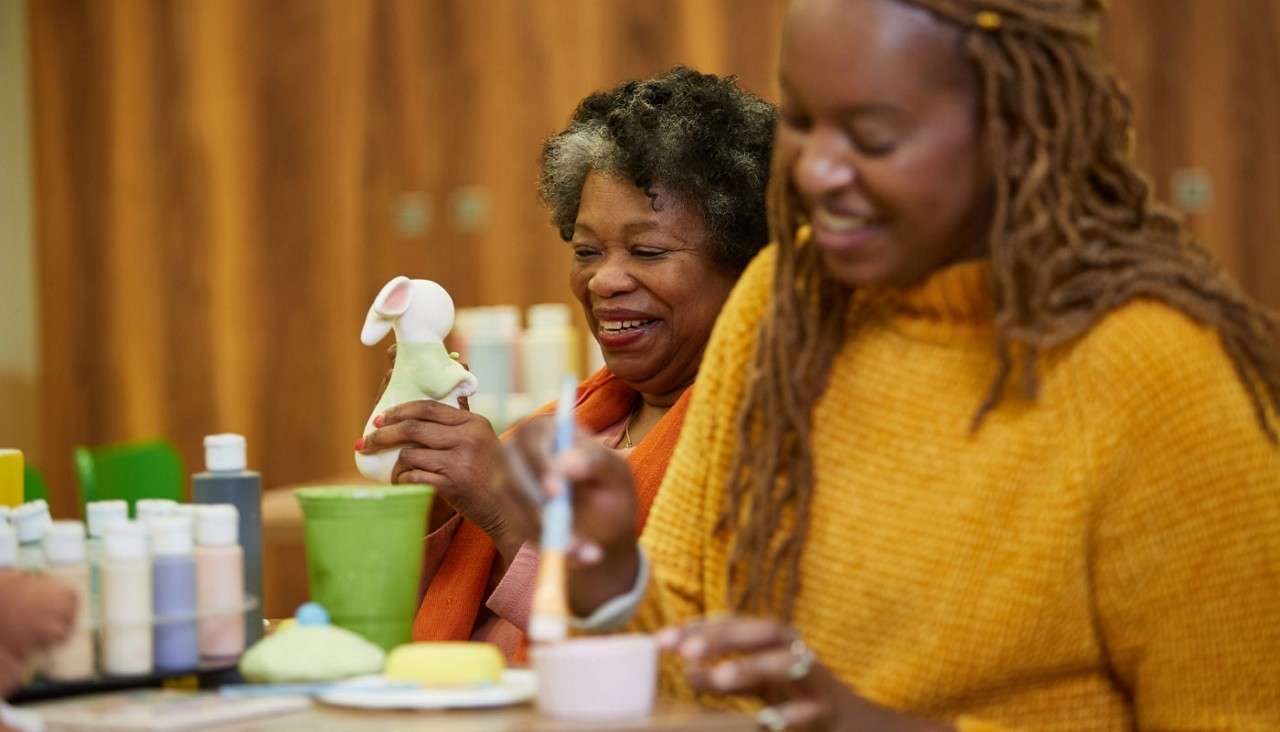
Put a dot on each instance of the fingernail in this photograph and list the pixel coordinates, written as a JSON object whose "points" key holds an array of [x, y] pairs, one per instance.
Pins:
{"points": [[668, 637], [589, 553], [552, 484], [724, 675], [378, 420], [693, 648], [359, 444]]}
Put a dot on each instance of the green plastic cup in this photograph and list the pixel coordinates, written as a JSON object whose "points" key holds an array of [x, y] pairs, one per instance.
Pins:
{"points": [[364, 556]]}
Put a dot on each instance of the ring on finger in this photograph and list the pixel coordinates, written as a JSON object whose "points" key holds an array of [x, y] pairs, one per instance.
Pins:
{"points": [[804, 660], [771, 719]]}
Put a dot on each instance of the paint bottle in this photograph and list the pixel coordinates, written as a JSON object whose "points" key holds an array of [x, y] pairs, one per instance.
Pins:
{"points": [[8, 546], [595, 355], [4, 515], [12, 478], [548, 351], [186, 511], [126, 601], [491, 335], [64, 547], [32, 521], [227, 481], [219, 582], [147, 509], [173, 578], [100, 515]]}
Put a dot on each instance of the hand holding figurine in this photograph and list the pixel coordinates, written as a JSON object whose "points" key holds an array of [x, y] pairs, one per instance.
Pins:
{"points": [[764, 657], [454, 450]]}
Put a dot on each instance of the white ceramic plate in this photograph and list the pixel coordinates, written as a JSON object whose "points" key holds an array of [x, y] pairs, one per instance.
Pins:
{"points": [[371, 692]]}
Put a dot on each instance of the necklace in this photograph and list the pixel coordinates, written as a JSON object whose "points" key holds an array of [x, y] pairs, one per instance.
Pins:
{"points": [[626, 428]]}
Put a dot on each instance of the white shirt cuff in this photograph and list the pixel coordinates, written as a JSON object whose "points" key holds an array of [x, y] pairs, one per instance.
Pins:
{"points": [[617, 612]]}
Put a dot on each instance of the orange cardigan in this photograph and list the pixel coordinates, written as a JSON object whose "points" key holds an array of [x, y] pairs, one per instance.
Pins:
{"points": [[456, 593]]}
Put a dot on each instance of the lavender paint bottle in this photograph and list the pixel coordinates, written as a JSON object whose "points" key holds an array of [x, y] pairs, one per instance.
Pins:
{"points": [[174, 592]]}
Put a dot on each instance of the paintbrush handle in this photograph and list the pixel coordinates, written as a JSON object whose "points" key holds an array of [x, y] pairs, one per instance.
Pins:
{"points": [[549, 620]]}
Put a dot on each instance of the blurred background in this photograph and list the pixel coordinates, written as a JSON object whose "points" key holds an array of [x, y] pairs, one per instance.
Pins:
{"points": [[200, 198]]}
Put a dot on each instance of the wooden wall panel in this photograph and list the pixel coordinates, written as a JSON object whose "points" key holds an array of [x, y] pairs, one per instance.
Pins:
{"points": [[217, 185], [218, 180], [1205, 79]]}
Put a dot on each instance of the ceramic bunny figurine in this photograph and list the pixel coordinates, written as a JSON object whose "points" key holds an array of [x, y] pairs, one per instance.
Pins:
{"points": [[421, 312]]}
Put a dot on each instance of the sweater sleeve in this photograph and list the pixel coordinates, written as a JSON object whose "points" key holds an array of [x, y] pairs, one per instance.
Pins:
{"points": [[513, 597], [1186, 538], [686, 579], [433, 550]]}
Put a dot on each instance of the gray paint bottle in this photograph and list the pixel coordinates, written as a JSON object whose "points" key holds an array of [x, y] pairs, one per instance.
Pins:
{"points": [[227, 481]]}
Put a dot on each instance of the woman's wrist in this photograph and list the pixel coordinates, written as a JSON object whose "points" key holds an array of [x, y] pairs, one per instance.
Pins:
{"points": [[440, 514], [508, 546], [592, 585]]}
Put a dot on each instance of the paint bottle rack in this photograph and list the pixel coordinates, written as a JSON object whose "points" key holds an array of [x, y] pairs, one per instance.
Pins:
{"points": [[207, 672]]}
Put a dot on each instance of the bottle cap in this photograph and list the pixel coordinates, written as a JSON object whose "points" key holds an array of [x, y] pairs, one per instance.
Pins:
{"points": [[498, 322], [224, 453], [103, 513], [548, 315], [125, 540], [147, 509], [64, 542], [32, 520], [8, 545], [170, 536], [217, 524]]}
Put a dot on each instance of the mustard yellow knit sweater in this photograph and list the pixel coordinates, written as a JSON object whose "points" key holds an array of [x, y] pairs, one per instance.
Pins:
{"points": [[1105, 558]]}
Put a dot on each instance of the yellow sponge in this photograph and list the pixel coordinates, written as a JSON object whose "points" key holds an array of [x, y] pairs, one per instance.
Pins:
{"points": [[449, 663]]}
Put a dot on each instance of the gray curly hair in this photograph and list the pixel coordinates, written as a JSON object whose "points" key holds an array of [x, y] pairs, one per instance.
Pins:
{"points": [[697, 134]]}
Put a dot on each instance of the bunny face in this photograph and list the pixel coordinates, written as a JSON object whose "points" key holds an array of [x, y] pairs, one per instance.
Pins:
{"points": [[430, 316], [419, 310]]}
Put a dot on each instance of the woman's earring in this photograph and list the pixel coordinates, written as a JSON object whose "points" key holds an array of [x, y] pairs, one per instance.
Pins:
{"points": [[803, 234]]}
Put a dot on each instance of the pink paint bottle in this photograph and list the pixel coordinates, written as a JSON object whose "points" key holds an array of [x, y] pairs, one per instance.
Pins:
{"points": [[64, 547], [219, 582]]}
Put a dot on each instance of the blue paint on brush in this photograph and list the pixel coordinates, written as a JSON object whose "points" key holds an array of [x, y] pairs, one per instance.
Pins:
{"points": [[557, 514]]}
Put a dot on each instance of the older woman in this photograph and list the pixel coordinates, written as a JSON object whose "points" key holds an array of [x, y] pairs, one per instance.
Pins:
{"points": [[658, 188], [986, 441]]}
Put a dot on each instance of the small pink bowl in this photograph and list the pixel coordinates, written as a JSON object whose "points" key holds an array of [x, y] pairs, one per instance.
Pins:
{"points": [[598, 678]]}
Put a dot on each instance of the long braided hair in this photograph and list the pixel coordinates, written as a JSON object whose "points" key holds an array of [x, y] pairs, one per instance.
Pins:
{"points": [[1075, 235]]}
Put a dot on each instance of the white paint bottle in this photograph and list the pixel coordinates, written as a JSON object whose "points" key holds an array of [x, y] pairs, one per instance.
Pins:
{"points": [[148, 509], [64, 548], [8, 546], [126, 601], [219, 582], [31, 520], [100, 515]]}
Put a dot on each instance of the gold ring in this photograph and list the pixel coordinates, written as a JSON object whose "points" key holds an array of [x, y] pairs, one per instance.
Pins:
{"points": [[771, 719], [804, 660]]}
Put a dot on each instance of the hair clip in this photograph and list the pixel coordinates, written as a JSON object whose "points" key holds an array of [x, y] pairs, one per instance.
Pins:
{"points": [[989, 20]]}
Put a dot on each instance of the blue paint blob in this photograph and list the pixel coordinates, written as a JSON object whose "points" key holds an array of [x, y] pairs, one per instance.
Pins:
{"points": [[312, 613]]}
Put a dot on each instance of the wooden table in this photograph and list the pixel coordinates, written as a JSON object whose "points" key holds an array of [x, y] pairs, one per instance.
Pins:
{"points": [[670, 716]]}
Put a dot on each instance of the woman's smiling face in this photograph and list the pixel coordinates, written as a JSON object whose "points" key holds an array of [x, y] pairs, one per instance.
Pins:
{"points": [[649, 285], [880, 132]]}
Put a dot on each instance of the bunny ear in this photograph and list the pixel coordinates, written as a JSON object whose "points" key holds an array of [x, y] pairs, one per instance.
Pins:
{"points": [[392, 301], [394, 298]]}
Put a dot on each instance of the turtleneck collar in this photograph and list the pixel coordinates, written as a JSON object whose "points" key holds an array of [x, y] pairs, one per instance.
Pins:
{"points": [[955, 299]]}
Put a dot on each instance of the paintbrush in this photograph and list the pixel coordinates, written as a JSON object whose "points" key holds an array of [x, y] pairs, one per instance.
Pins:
{"points": [[550, 618]]}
